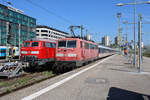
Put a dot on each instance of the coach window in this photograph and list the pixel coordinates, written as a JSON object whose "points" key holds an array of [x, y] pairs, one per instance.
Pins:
{"points": [[71, 44], [81, 44], [26, 44], [43, 44], [35, 44], [53, 45], [91, 46], [48, 44], [96, 47], [86, 46]]}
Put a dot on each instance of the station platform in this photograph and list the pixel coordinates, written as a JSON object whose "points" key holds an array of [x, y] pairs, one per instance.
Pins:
{"points": [[112, 78]]}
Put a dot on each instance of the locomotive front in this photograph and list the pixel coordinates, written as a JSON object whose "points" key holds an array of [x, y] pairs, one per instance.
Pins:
{"points": [[38, 52], [66, 51], [30, 52]]}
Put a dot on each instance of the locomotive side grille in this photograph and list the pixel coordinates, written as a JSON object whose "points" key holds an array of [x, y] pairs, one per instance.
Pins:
{"points": [[29, 58]]}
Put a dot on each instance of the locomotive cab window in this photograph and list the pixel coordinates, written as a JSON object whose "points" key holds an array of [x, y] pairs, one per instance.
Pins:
{"points": [[26, 44], [53, 45], [48, 45], [61, 44], [35, 44], [71, 44]]}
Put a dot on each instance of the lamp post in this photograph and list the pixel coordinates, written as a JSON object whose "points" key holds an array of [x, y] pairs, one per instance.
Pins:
{"points": [[126, 34], [19, 26], [140, 41], [134, 3], [7, 44], [119, 30], [134, 59]]}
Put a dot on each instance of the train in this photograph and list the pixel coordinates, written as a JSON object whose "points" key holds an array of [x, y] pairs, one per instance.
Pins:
{"points": [[12, 52], [65, 53], [36, 52]]}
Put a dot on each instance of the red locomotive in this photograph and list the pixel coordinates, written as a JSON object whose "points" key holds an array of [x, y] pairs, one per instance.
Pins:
{"points": [[74, 52], [38, 51]]}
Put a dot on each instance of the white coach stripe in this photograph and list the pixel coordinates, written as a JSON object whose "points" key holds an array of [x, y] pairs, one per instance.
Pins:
{"points": [[34, 95]]}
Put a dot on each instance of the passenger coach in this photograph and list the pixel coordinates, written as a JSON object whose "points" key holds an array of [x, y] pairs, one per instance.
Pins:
{"points": [[75, 51]]}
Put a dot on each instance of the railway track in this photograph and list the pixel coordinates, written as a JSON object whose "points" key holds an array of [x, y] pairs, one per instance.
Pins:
{"points": [[26, 80]]}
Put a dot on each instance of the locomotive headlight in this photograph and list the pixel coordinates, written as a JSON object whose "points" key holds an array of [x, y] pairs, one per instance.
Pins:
{"points": [[34, 52], [59, 55], [23, 52], [72, 55]]}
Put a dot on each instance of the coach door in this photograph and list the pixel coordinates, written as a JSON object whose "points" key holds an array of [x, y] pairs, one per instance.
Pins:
{"points": [[48, 45], [82, 50], [61, 49], [52, 50], [44, 52]]}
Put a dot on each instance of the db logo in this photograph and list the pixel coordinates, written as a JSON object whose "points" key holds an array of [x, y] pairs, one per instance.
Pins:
{"points": [[28, 51]]}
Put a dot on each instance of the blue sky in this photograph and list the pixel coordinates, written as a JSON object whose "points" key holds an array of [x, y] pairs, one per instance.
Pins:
{"points": [[98, 16]]}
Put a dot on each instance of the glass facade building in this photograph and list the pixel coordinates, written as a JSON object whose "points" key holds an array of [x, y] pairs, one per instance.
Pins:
{"points": [[15, 26]]}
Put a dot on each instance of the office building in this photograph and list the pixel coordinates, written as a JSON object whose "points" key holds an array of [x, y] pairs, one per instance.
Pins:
{"points": [[15, 26], [118, 41], [46, 32], [106, 41]]}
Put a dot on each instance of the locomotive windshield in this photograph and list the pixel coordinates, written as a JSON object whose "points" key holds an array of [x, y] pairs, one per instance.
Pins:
{"points": [[35, 44], [61, 44], [71, 44], [67, 44], [26, 44]]}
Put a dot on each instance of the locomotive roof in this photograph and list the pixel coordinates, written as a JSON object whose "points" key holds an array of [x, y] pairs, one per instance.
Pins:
{"points": [[35, 39], [77, 38]]}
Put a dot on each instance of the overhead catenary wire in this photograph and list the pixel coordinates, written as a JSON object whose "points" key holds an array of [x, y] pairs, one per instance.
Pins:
{"points": [[48, 11], [147, 20], [7, 2]]}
